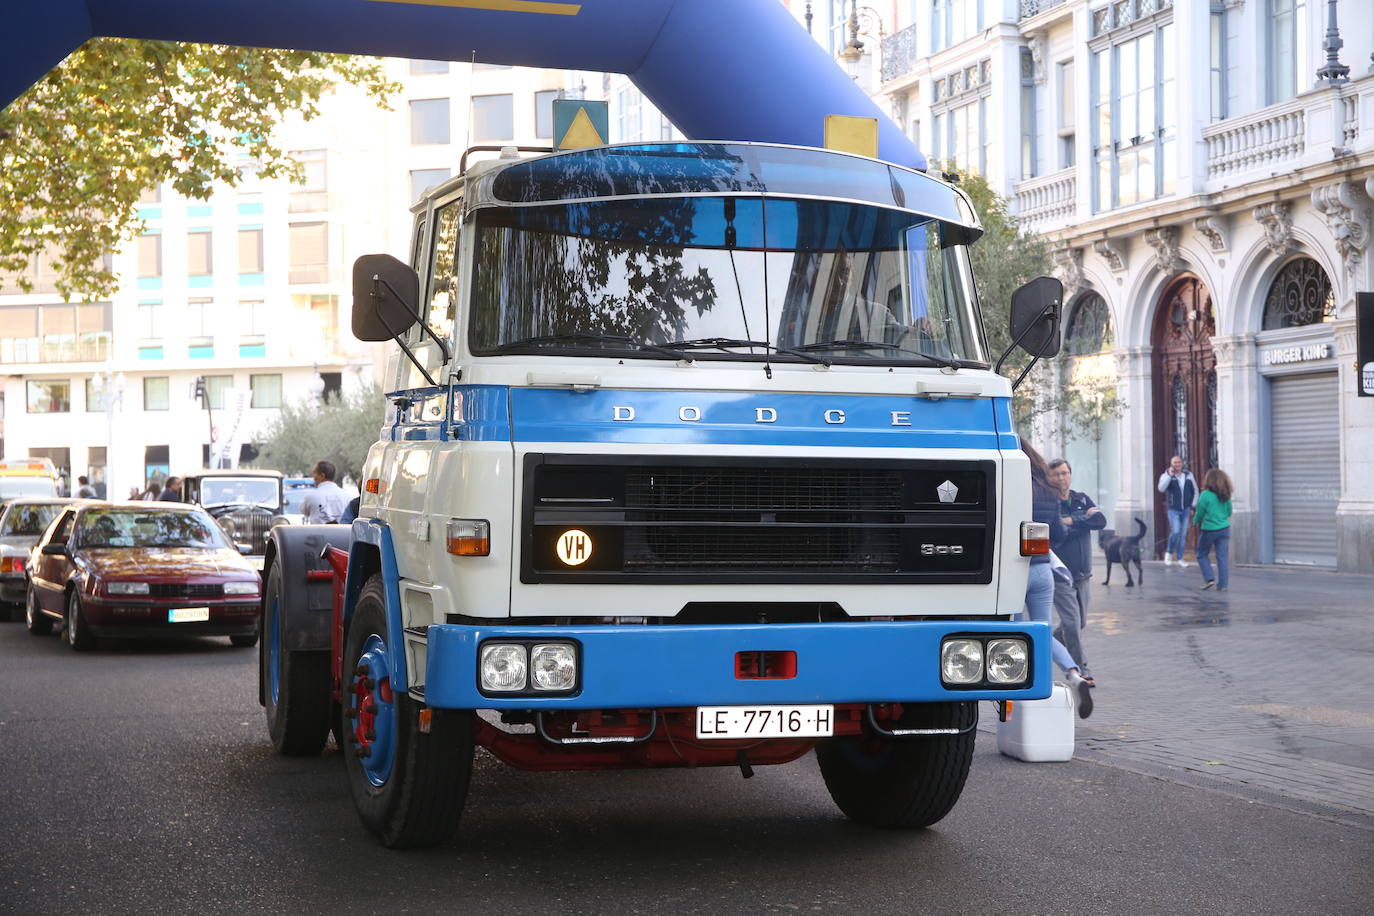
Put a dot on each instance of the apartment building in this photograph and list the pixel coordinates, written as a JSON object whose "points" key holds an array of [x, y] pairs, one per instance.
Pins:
{"points": [[248, 291]]}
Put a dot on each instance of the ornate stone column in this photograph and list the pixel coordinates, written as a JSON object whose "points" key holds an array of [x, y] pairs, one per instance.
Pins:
{"points": [[1238, 439], [1355, 511], [1136, 499]]}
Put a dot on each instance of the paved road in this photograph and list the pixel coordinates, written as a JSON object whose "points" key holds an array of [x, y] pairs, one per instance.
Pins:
{"points": [[141, 781]]}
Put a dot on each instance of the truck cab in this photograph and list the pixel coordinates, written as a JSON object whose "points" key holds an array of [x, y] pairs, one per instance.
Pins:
{"points": [[694, 455]]}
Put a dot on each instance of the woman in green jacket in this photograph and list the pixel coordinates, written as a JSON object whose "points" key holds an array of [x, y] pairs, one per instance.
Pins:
{"points": [[1213, 516]]}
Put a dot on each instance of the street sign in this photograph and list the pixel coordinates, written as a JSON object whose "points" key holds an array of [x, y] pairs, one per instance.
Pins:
{"points": [[1364, 347]]}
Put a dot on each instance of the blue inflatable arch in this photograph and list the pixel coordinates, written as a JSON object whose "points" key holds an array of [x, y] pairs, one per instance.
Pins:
{"points": [[720, 69]]}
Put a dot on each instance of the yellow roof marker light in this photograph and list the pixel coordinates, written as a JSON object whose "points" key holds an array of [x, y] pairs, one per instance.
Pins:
{"points": [[845, 134], [578, 124], [503, 6]]}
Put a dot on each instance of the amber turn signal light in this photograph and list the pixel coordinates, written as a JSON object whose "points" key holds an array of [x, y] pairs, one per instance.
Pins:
{"points": [[373, 485], [1035, 539], [468, 537]]}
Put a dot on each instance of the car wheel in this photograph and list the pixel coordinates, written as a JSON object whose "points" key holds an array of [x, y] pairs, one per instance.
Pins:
{"points": [[40, 624], [78, 634]]}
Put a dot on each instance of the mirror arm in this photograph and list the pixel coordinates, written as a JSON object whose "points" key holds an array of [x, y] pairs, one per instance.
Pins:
{"points": [[424, 325], [1047, 310], [397, 337]]}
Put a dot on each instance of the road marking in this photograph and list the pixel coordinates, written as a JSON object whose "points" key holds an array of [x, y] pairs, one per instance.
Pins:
{"points": [[548, 7]]}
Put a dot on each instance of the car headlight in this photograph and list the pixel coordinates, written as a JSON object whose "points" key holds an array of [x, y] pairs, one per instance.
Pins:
{"points": [[240, 588], [1008, 662], [503, 667], [553, 666], [961, 661], [127, 588]]}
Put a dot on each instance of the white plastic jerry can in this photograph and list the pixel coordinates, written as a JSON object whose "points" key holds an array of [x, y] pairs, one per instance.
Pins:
{"points": [[1039, 730]]}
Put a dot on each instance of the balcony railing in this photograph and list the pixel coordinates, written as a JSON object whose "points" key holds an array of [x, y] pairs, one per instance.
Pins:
{"points": [[1031, 8], [899, 53], [36, 350], [1048, 201], [1268, 138]]}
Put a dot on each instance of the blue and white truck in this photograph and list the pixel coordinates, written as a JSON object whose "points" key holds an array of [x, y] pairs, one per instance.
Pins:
{"points": [[694, 455]]}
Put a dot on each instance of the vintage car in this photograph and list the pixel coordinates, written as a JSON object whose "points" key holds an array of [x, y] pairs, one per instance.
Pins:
{"points": [[140, 569], [22, 523], [245, 503]]}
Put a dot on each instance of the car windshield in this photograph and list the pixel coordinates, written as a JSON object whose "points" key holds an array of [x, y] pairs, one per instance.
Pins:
{"points": [[28, 519], [845, 281], [120, 527], [250, 491]]}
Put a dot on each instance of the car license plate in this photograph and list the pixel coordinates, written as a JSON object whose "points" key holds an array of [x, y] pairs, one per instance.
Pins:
{"points": [[256, 562], [765, 721], [188, 615]]}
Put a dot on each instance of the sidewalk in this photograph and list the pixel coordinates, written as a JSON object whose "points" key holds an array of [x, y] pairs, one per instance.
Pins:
{"points": [[1266, 690]]}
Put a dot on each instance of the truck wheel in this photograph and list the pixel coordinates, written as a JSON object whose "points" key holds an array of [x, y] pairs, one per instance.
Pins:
{"points": [[295, 685], [40, 624], [901, 782], [78, 634], [409, 786]]}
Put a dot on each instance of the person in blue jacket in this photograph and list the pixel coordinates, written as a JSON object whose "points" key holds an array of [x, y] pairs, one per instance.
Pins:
{"points": [[1080, 518]]}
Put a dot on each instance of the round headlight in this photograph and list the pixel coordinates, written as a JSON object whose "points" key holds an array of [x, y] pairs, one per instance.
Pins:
{"points": [[553, 667], [961, 661], [503, 667], [1008, 661]]}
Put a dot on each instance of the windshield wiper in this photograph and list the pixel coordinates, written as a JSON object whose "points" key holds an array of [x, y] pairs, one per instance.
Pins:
{"points": [[726, 343], [880, 345], [590, 337]]}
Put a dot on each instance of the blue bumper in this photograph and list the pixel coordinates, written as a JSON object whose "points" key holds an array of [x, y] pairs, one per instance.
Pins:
{"points": [[666, 666]]}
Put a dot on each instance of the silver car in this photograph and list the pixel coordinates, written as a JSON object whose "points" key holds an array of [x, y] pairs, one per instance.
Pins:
{"points": [[22, 523]]}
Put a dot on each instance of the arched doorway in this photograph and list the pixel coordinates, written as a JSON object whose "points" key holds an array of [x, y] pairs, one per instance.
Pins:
{"points": [[1088, 411], [1185, 387]]}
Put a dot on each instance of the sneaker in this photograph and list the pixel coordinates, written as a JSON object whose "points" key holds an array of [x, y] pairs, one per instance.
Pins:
{"points": [[1168, 560], [1084, 695], [1183, 564], [1208, 584]]}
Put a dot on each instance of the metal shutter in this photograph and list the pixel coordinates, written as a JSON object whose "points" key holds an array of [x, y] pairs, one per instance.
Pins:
{"points": [[1306, 462]]}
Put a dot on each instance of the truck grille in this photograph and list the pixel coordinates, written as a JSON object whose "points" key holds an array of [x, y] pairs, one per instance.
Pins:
{"points": [[775, 520]]}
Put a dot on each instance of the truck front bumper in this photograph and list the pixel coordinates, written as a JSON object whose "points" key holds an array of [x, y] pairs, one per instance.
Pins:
{"points": [[650, 667]]}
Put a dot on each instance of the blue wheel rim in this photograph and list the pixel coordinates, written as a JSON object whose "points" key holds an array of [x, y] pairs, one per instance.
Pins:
{"points": [[274, 649], [374, 727]]}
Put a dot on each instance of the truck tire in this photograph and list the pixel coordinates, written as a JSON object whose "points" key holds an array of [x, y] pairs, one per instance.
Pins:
{"points": [[39, 624], [901, 782], [295, 685], [77, 633], [409, 786]]}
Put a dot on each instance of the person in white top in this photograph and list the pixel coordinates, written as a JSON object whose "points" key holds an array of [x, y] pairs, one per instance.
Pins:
{"points": [[325, 504]]}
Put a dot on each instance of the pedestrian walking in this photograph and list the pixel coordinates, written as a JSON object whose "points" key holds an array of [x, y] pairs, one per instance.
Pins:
{"points": [[1180, 491], [1213, 517], [325, 504], [1080, 517], [84, 490], [1040, 583]]}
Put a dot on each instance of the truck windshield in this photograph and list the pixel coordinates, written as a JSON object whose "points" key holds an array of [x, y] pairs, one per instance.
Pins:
{"points": [[843, 280]]}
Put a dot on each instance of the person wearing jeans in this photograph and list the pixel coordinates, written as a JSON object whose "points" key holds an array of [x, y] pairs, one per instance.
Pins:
{"points": [[1213, 516], [1179, 491]]}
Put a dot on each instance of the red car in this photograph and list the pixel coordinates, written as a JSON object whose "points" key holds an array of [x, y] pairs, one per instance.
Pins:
{"points": [[140, 569]]}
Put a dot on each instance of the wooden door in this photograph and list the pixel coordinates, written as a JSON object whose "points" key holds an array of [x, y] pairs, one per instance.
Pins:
{"points": [[1185, 389]]}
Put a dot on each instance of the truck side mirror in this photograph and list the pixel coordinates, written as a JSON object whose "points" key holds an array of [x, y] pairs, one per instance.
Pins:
{"points": [[1035, 316], [386, 293]]}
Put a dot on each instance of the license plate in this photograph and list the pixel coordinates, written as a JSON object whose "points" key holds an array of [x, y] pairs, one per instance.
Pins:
{"points": [[256, 562], [188, 615], [765, 721]]}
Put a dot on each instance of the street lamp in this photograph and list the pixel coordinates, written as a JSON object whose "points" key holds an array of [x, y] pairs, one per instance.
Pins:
{"points": [[111, 384], [853, 50], [316, 387]]}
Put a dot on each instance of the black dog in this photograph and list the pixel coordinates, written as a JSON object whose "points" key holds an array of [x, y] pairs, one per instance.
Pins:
{"points": [[1123, 550]]}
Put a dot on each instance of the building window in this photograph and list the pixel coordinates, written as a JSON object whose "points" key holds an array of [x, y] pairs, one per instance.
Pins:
{"points": [[1135, 132], [954, 20], [52, 396], [199, 253], [155, 393], [151, 195], [252, 318], [429, 121], [156, 462], [150, 254], [324, 315], [493, 117], [309, 253], [1301, 294], [1089, 328], [421, 180], [56, 333], [266, 390], [250, 251], [150, 320], [1287, 24], [965, 136], [426, 67], [629, 114], [1067, 125], [1027, 114], [215, 386], [543, 112], [97, 395], [1217, 63]]}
